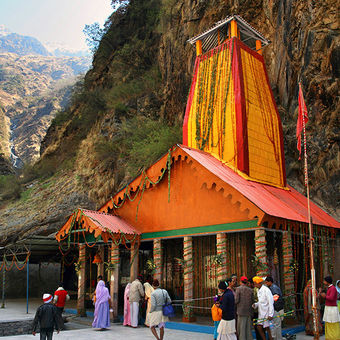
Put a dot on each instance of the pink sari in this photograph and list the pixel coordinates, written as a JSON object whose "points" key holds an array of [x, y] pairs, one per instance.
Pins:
{"points": [[127, 315]]}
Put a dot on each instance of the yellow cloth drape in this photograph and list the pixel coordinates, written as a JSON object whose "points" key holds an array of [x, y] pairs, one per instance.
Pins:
{"points": [[211, 125], [212, 115], [265, 159]]}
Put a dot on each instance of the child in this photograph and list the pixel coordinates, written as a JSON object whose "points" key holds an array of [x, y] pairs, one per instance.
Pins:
{"points": [[48, 318], [216, 314]]}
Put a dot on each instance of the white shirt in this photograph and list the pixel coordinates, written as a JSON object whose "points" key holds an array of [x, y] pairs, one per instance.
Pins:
{"points": [[265, 304]]}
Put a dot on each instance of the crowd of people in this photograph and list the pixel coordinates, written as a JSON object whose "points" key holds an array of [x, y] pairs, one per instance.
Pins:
{"points": [[238, 307], [155, 299], [259, 302]]}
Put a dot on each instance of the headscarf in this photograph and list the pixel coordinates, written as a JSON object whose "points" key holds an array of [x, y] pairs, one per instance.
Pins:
{"points": [[337, 287], [257, 279], [127, 290], [148, 289], [102, 293]]}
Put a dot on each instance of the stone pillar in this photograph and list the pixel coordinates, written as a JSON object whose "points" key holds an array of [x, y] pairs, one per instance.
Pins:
{"points": [[81, 281], [221, 251], [134, 261], [101, 265], [114, 279], [157, 258], [188, 278], [261, 252], [288, 276]]}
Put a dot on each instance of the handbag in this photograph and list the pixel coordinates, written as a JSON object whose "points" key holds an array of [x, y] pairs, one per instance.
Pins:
{"points": [[167, 308]]}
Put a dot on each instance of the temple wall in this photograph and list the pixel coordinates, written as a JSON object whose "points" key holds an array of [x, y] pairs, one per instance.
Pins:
{"points": [[197, 198]]}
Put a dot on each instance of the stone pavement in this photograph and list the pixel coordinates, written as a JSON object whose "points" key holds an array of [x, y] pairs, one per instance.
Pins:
{"points": [[117, 332], [120, 332], [79, 327]]}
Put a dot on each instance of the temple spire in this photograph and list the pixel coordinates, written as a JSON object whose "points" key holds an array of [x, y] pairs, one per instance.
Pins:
{"points": [[231, 112]]}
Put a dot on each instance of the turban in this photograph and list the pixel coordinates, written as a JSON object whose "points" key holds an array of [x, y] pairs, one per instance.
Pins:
{"points": [[244, 278], [47, 298], [257, 279]]}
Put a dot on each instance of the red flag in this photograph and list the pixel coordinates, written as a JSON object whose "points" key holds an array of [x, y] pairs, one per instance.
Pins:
{"points": [[302, 116]]}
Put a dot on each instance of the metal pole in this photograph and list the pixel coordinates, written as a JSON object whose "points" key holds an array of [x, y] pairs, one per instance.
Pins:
{"points": [[27, 282], [311, 239], [3, 285]]}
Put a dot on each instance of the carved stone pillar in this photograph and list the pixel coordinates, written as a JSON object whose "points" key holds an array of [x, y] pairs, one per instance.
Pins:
{"points": [[114, 279], [101, 265], [288, 276], [81, 281], [261, 252], [134, 261], [157, 258], [188, 278], [221, 252]]}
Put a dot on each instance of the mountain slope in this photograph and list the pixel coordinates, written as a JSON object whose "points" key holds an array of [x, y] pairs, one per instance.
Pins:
{"points": [[21, 45], [136, 93]]}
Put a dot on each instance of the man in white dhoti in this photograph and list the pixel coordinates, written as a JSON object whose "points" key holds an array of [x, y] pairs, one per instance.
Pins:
{"points": [[135, 295], [265, 306]]}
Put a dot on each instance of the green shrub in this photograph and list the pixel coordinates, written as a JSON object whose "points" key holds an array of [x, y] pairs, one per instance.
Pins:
{"points": [[146, 140], [10, 187], [107, 151]]}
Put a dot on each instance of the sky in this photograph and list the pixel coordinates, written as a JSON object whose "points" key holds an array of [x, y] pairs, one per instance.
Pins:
{"points": [[57, 21]]}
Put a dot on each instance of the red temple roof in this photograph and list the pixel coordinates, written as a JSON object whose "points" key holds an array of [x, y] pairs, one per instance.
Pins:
{"points": [[286, 204]]}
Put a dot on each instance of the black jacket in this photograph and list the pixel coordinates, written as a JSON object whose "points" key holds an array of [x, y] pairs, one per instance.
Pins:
{"points": [[228, 305], [279, 304], [48, 317]]}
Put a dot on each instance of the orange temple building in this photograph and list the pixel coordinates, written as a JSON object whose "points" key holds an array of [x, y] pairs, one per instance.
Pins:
{"points": [[217, 204]]}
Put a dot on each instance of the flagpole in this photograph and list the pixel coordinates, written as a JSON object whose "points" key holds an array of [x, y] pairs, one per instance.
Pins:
{"points": [[311, 239]]}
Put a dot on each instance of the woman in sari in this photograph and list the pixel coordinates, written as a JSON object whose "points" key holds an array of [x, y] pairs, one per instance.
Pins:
{"points": [[127, 314], [338, 290], [102, 307], [148, 291], [331, 315], [308, 310]]}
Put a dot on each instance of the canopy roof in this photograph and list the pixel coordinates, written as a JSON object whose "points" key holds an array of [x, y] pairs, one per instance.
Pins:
{"points": [[219, 32], [100, 224]]}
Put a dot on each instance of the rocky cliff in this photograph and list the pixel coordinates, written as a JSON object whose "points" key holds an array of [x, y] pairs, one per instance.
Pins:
{"points": [[33, 88], [142, 71]]}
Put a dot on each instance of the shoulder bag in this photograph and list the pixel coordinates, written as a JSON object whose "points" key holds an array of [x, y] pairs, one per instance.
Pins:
{"points": [[168, 309]]}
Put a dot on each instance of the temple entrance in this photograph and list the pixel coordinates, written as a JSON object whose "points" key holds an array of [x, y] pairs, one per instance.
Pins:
{"points": [[173, 279]]}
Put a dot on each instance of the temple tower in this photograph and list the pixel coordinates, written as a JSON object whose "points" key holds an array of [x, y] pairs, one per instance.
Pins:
{"points": [[231, 112]]}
